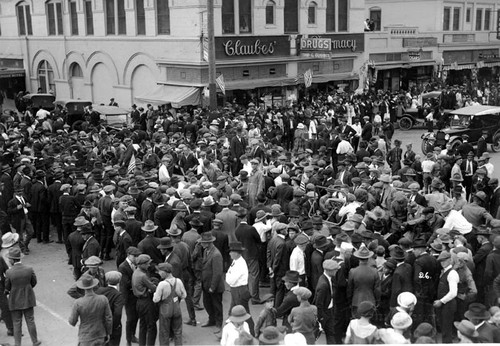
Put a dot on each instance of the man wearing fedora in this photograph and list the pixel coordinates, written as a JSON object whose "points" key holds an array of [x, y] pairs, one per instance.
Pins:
{"points": [[94, 313], [18, 209], [106, 207], [163, 215], [166, 247], [291, 281], [91, 247], [9, 240], [149, 245], [229, 219], [19, 283], [133, 226], [324, 299], [76, 243], [212, 281], [479, 316], [278, 261], [116, 302], [123, 241], [40, 208]]}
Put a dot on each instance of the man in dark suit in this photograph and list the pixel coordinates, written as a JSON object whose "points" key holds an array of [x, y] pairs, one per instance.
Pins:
{"points": [[133, 226], [17, 208], [323, 299], [494, 198], [54, 193], [69, 210], [479, 315], [212, 282], [237, 148], [402, 277], [163, 216], [127, 268], [166, 247], [468, 167], [76, 243], [415, 196], [291, 281], [366, 132], [149, 245], [221, 242], [123, 241], [19, 283], [278, 261], [40, 208], [116, 302], [8, 184], [491, 271], [250, 239], [483, 239], [148, 207], [187, 161], [482, 146], [284, 193], [91, 246]]}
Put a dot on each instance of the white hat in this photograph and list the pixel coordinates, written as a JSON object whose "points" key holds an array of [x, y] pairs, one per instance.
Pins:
{"points": [[405, 299]]}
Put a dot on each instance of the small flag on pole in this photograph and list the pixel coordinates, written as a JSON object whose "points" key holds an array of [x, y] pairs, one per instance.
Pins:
{"points": [[220, 82], [131, 165], [308, 78]]}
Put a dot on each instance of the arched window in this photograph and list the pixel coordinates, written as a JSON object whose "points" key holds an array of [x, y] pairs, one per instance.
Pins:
{"points": [[54, 17], [311, 13], [75, 70], [24, 18], [116, 21], [45, 76], [270, 11], [163, 17]]}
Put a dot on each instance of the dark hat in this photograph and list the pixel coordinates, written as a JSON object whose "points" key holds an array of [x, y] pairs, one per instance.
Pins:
{"points": [[437, 246], [120, 223], [86, 229], [292, 276], [391, 263], [239, 314], [419, 242], [477, 311], [270, 336], [165, 243], [132, 250], [306, 225], [86, 282], [14, 253], [242, 212], [206, 237], [397, 253], [483, 230], [356, 238], [236, 246], [267, 297], [443, 256], [466, 328], [424, 329], [366, 309], [367, 234], [320, 242], [196, 222]]}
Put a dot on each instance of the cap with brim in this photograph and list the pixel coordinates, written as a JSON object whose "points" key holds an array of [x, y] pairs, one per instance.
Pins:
{"points": [[143, 259], [363, 252], [477, 311], [165, 243], [236, 246], [206, 237], [86, 282], [467, 328], [239, 314], [93, 261], [270, 335], [14, 253], [149, 226], [132, 250]]}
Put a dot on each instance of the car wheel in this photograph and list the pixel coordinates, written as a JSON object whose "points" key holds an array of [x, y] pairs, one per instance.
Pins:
{"points": [[454, 145], [424, 146], [495, 146], [405, 124]]}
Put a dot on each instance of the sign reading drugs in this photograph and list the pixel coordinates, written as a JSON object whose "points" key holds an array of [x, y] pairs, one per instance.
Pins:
{"points": [[332, 44], [315, 44]]}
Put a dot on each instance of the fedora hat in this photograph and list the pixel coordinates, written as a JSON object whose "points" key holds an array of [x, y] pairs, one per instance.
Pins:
{"points": [[271, 335], [306, 225], [174, 231], [236, 246], [196, 222], [457, 177], [376, 214], [481, 195], [260, 215], [86, 229], [80, 221], [477, 311], [401, 320], [206, 237], [180, 207], [437, 183], [14, 253], [165, 243], [276, 211], [149, 226], [397, 253], [445, 207], [292, 276], [224, 202], [320, 242], [385, 178], [363, 252], [466, 328], [238, 314], [86, 282], [419, 243], [437, 246], [9, 239]]}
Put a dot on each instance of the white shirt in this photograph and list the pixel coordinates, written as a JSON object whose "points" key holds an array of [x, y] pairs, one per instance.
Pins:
{"points": [[230, 333], [163, 174], [247, 167], [344, 147], [23, 203], [349, 209], [490, 168], [453, 280], [237, 274], [262, 229], [297, 261], [455, 220]]}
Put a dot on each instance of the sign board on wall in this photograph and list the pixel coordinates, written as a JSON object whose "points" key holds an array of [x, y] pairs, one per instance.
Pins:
{"points": [[330, 45], [469, 56], [238, 47]]}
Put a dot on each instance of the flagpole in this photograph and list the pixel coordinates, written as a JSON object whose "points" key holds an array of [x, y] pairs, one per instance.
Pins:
{"points": [[211, 55]]}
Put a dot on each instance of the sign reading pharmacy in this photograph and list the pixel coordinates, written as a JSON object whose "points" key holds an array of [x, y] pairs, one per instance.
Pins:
{"points": [[238, 47], [332, 44]]}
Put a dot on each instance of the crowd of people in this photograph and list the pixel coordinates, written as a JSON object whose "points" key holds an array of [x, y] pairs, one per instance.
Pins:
{"points": [[312, 211]]}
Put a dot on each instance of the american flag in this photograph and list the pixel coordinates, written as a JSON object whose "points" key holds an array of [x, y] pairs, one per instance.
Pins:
{"points": [[308, 78], [131, 165], [220, 82]]}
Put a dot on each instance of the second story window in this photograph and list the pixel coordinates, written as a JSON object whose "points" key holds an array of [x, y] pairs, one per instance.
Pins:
{"points": [[163, 17], [89, 17], [270, 11], [24, 18], [336, 15], [291, 12], [311, 13], [446, 18], [479, 19], [54, 18], [487, 19], [74, 18], [237, 14], [140, 16], [228, 16], [115, 17], [375, 19]]}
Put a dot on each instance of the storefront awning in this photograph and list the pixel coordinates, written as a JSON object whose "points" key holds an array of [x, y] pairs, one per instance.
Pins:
{"points": [[404, 65], [259, 83], [177, 95], [324, 78], [11, 73], [459, 67]]}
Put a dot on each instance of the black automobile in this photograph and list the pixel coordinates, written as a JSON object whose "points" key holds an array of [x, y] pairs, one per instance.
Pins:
{"points": [[471, 121]]}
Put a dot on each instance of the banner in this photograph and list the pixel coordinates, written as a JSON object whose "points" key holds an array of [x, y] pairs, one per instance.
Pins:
{"points": [[308, 78], [220, 82]]}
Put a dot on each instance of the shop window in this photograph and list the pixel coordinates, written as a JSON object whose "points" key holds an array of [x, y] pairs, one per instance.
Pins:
{"points": [[311, 13], [330, 15], [479, 19], [487, 19], [89, 18], [446, 18], [163, 17], [270, 11], [24, 18], [54, 18], [45, 76], [291, 13], [467, 15], [140, 17], [376, 18], [228, 16], [456, 19], [115, 17], [73, 14], [76, 70], [343, 14]]}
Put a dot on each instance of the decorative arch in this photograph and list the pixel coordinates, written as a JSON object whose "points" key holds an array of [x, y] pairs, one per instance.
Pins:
{"points": [[45, 55], [135, 61], [75, 57], [104, 58], [25, 2]]}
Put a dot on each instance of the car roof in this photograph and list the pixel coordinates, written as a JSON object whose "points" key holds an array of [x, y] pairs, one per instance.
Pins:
{"points": [[432, 94], [64, 102], [476, 110], [30, 96]]}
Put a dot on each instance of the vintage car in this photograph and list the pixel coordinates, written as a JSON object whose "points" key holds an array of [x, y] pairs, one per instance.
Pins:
{"points": [[471, 121], [37, 101], [113, 116], [75, 109], [415, 116]]}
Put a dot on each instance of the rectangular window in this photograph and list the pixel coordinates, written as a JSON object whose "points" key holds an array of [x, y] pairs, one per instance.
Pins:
{"points": [[330, 15], [456, 19], [51, 17], [74, 18], [122, 18], [467, 15], [59, 18], [21, 20], [479, 19], [245, 16], [27, 13], [228, 16], [291, 13], [140, 17], [163, 17], [311, 14], [446, 19], [376, 18], [487, 19], [270, 13], [89, 18], [343, 14], [110, 17]]}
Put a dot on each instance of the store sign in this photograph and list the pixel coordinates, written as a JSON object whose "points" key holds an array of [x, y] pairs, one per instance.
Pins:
{"points": [[414, 55], [238, 47], [315, 44], [329, 45], [470, 56]]}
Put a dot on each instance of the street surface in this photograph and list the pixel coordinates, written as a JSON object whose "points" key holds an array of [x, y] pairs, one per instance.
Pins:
{"points": [[55, 278]]}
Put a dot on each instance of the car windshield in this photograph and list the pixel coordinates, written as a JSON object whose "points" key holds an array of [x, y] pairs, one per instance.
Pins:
{"points": [[460, 120]]}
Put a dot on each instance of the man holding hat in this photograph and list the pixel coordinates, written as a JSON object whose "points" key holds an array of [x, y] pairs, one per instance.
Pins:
{"points": [[19, 283], [94, 313]]}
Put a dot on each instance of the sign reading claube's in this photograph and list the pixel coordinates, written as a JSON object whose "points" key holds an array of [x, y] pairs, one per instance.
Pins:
{"points": [[242, 47]]}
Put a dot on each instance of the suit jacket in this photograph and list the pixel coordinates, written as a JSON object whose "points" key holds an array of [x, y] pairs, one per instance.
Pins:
{"points": [[16, 215], [133, 228], [54, 193], [323, 297], [250, 239], [284, 195], [495, 204], [69, 208], [187, 163], [212, 270], [149, 246], [363, 284], [492, 267], [91, 248], [401, 282], [163, 217], [277, 257], [480, 262], [237, 147], [147, 210], [426, 271], [116, 302], [8, 186], [221, 242], [230, 222], [488, 333], [123, 242], [176, 263], [76, 242], [20, 280], [126, 283], [289, 302]]}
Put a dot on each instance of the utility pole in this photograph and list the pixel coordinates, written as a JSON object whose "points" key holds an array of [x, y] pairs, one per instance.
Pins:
{"points": [[211, 55]]}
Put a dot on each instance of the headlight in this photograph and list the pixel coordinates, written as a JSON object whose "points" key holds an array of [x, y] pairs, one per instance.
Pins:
{"points": [[447, 137]]}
